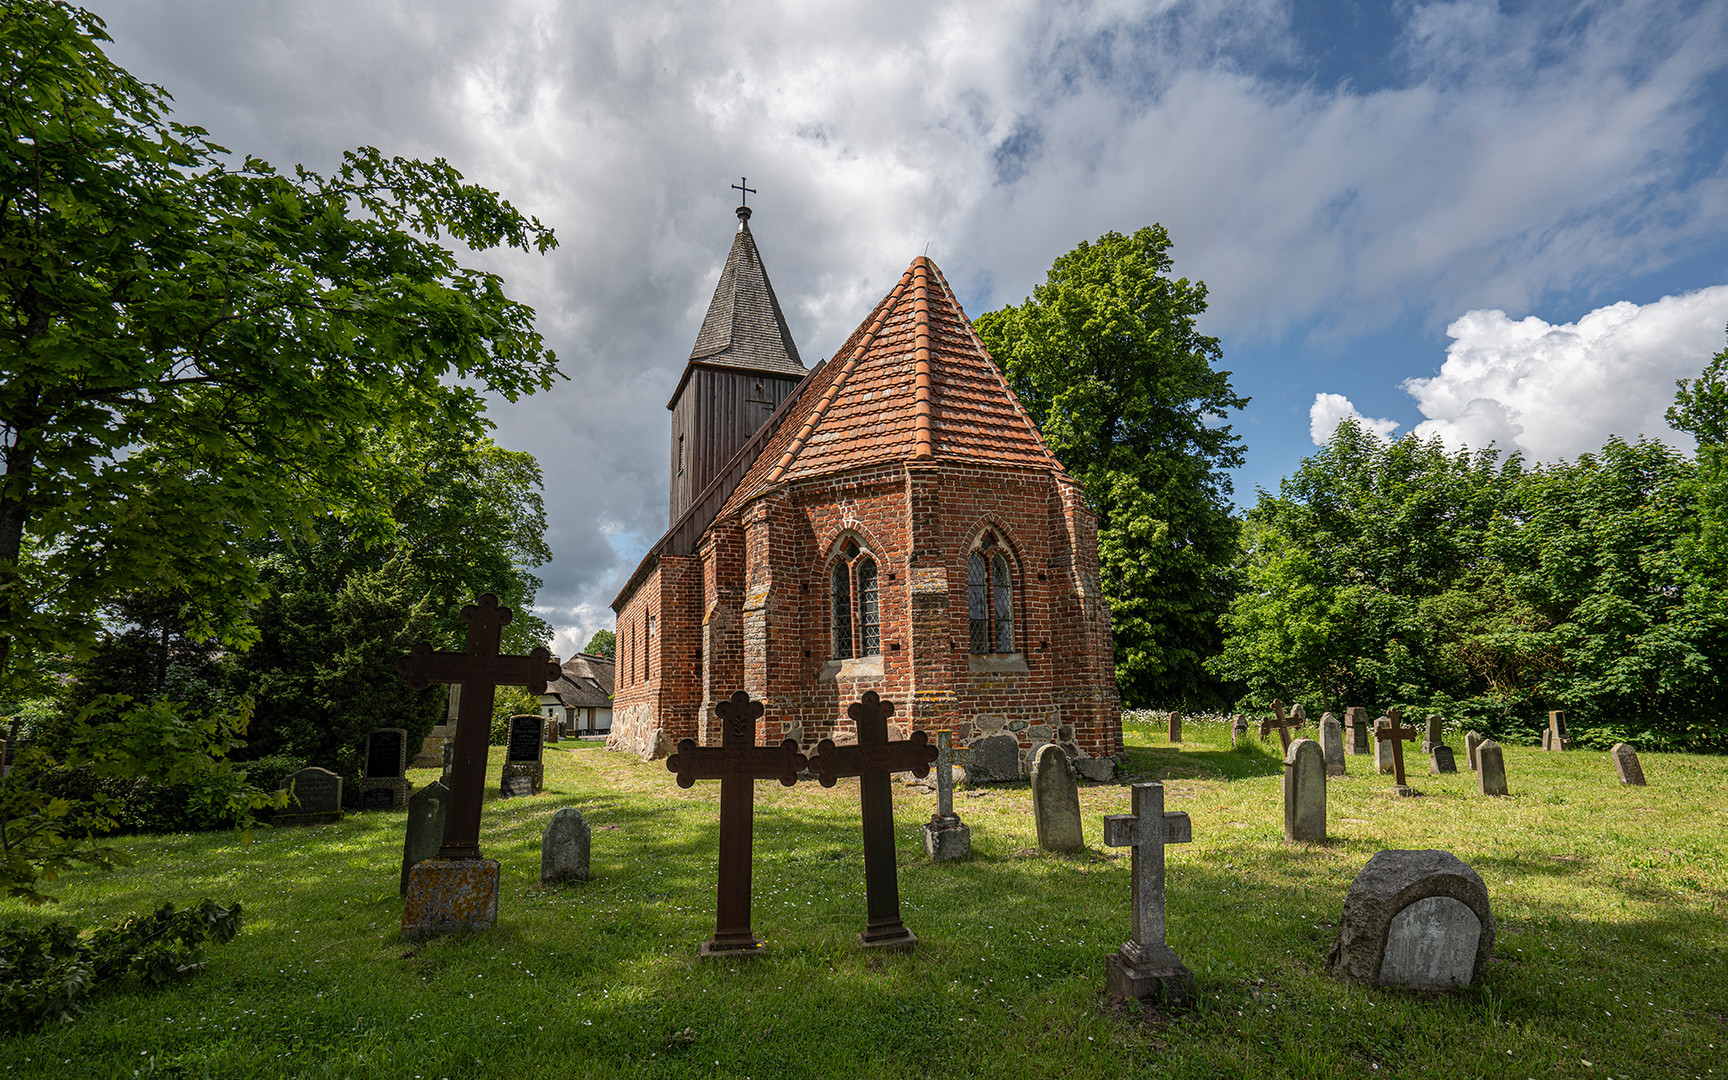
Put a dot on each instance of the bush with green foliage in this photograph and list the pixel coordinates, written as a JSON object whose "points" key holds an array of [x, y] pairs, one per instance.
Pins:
{"points": [[46, 972]]}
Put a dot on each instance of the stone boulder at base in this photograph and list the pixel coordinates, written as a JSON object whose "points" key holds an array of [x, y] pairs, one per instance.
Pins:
{"points": [[1415, 919], [994, 759]]}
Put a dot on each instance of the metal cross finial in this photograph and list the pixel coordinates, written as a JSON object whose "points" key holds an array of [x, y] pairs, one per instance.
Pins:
{"points": [[744, 192]]}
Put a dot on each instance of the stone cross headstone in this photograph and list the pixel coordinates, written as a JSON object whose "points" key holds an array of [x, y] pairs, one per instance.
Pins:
{"points": [[524, 771], [1393, 731], [1304, 792], [1414, 919], [1146, 967], [1556, 737], [1432, 736], [383, 782], [871, 760], [945, 835], [1626, 764], [315, 798], [564, 847], [1175, 726], [1441, 760], [1358, 742], [1055, 800], [737, 763], [1279, 723], [1332, 744], [1491, 769], [1471, 741], [425, 828], [458, 888]]}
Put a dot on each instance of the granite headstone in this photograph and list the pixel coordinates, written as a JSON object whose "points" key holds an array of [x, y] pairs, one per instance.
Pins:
{"points": [[1491, 769], [315, 798], [1055, 800], [1414, 919], [1441, 760], [564, 847], [1332, 744], [523, 772], [1305, 792], [1471, 741], [425, 829], [1626, 764], [994, 759]]}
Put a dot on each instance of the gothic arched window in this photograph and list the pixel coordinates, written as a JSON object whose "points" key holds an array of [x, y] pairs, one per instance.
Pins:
{"points": [[990, 598], [857, 618]]}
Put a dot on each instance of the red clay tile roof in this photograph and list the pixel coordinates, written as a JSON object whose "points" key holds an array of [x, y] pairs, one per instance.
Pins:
{"points": [[912, 381]]}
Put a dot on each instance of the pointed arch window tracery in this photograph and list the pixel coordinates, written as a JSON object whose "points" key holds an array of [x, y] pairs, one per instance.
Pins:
{"points": [[990, 597], [854, 606]]}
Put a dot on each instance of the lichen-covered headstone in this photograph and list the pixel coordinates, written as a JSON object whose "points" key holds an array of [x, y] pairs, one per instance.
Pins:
{"points": [[1332, 744], [1383, 748], [564, 847], [1491, 769], [315, 799], [1414, 919], [425, 830], [1471, 741], [1055, 800], [1626, 764], [1304, 792]]}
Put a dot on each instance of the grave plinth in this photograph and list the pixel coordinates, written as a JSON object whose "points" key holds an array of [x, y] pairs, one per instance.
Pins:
{"points": [[446, 896]]}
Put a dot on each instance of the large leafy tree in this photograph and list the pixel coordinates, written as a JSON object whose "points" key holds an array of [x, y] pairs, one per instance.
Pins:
{"points": [[1108, 359], [200, 352]]}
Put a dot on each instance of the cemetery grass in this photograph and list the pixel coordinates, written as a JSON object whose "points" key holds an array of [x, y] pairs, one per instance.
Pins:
{"points": [[1609, 959]]}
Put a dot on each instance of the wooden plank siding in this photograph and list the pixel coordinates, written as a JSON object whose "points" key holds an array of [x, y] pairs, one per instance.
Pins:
{"points": [[715, 414]]}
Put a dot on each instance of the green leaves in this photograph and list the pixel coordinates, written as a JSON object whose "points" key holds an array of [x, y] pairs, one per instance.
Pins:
{"points": [[1106, 358]]}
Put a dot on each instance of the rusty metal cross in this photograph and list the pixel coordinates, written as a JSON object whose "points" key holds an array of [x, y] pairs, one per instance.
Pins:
{"points": [[480, 670], [1281, 724], [1397, 733], [737, 763], [871, 761]]}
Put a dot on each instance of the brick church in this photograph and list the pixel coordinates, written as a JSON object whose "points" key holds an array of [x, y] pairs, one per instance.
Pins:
{"points": [[887, 520]]}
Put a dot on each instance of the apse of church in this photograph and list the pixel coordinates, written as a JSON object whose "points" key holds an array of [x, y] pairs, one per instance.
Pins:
{"points": [[889, 520]]}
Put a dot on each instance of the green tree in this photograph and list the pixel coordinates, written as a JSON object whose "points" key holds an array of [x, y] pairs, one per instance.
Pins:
{"points": [[603, 643], [1108, 360], [200, 352]]}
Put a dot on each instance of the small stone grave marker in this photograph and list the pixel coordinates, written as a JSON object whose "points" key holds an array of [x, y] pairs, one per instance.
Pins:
{"points": [[1555, 737], [994, 759], [1304, 792], [1146, 967], [1175, 726], [564, 847], [1491, 769], [1441, 760], [1626, 764], [524, 772], [1432, 736], [384, 784], [945, 835], [1238, 729], [1356, 731], [1471, 741], [315, 798], [1055, 800], [1332, 744], [1414, 919], [425, 829]]}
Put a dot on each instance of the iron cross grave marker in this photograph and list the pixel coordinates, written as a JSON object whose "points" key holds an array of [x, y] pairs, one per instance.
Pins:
{"points": [[1398, 734], [737, 763], [871, 761], [1279, 722]]}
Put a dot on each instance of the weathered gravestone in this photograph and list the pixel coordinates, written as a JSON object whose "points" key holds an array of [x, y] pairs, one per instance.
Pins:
{"points": [[1491, 768], [994, 759], [1238, 729], [1432, 736], [1414, 919], [1175, 727], [554, 729], [1626, 764], [1471, 742], [457, 889], [871, 760], [1056, 801], [1391, 729], [945, 835], [1441, 760], [315, 798], [384, 784], [1382, 748], [436, 747], [1304, 792], [1356, 731], [737, 763], [564, 847], [1299, 715], [1554, 737], [524, 772], [1332, 744], [1146, 967], [425, 830]]}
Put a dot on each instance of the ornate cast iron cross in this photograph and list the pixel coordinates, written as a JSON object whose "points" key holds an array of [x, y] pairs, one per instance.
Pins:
{"points": [[1281, 724], [480, 670], [871, 761], [737, 763], [1398, 733]]}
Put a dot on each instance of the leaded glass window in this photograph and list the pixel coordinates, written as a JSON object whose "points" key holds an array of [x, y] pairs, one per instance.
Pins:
{"points": [[990, 599], [857, 612], [842, 611]]}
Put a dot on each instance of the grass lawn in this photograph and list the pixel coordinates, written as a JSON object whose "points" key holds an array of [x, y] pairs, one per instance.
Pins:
{"points": [[1610, 958]]}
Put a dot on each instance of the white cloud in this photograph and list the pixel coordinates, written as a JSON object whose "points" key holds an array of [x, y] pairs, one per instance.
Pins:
{"points": [[1556, 391], [1329, 410]]}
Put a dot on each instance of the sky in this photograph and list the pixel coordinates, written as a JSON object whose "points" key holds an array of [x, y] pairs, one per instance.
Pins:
{"points": [[1497, 224]]}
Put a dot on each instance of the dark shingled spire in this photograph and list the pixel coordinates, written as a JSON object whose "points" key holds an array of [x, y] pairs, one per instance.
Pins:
{"points": [[744, 327]]}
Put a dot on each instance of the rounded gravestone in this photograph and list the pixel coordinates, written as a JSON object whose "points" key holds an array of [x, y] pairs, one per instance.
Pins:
{"points": [[1415, 919], [1056, 800], [1304, 792], [994, 759], [564, 847]]}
